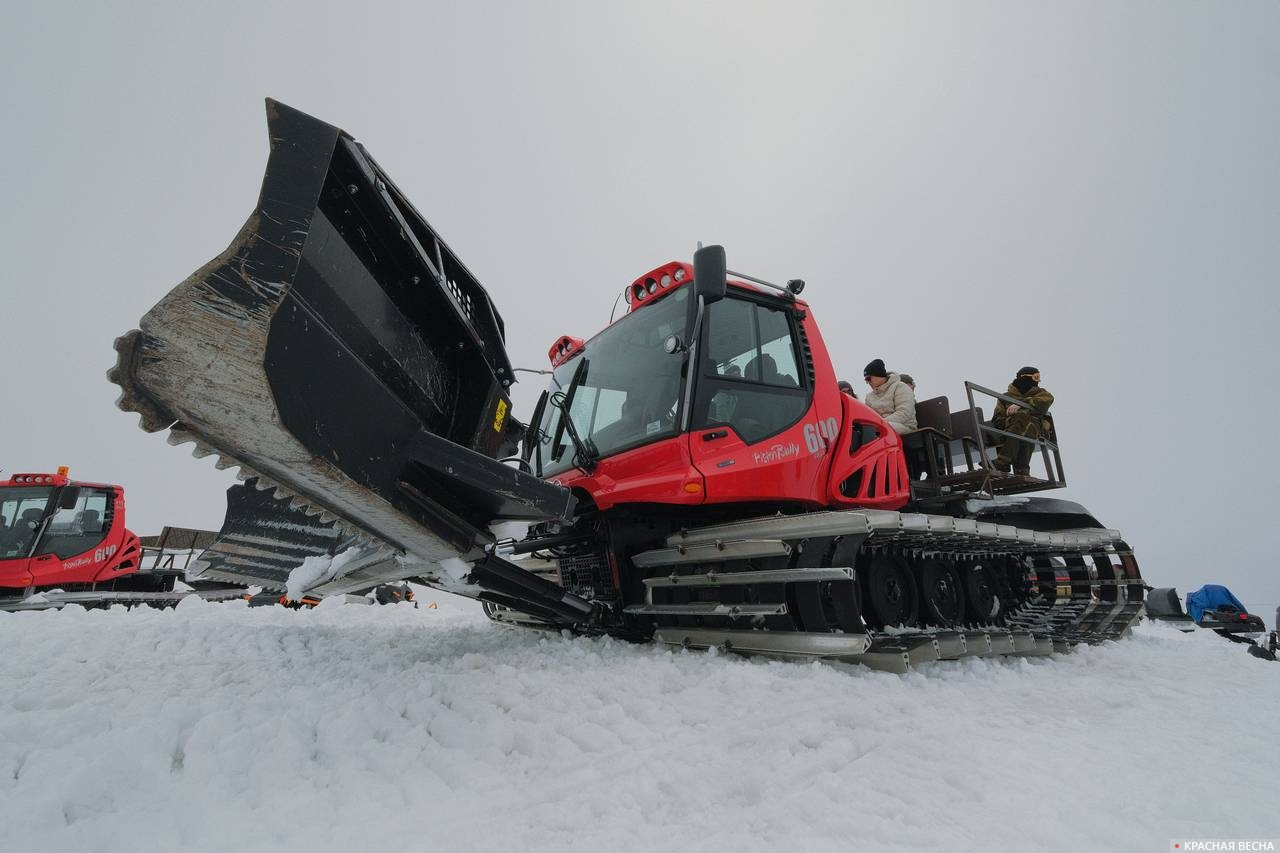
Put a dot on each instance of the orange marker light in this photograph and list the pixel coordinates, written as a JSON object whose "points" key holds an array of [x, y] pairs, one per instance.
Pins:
{"points": [[63, 470], [693, 488]]}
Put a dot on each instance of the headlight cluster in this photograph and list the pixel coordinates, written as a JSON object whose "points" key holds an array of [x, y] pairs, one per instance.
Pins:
{"points": [[660, 278], [563, 348], [33, 478]]}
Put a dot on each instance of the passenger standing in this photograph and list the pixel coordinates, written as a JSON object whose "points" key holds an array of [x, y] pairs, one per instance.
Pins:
{"points": [[1028, 419], [910, 383], [846, 388], [890, 397]]}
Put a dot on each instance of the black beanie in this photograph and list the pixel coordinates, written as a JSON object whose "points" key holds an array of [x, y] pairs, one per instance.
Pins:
{"points": [[875, 368], [1027, 371]]}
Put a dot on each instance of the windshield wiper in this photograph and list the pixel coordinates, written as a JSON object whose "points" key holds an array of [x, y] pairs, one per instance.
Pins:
{"points": [[585, 455]]}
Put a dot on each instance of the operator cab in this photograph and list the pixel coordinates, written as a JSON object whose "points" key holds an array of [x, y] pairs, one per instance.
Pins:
{"points": [[49, 525], [622, 389], [629, 385]]}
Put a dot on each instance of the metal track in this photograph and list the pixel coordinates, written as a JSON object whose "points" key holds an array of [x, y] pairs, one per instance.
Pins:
{"points": [[713, 552], [58, 600], [711, 608], [714, 578], [1036, 628], [940, 533]]}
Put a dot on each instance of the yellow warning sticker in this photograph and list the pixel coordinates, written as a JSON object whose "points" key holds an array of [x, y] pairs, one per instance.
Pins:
{"points": [[500, 417]]}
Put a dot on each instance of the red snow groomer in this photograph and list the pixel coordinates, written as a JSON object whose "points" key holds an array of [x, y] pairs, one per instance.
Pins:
{"points": [[692, 475], [65, 542], [56, 532]]}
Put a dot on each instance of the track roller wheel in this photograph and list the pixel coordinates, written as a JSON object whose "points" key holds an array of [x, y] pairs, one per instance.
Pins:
{"points": [[982, 602], [843, 603], [828, 605], [891, 594], [942, 600]]}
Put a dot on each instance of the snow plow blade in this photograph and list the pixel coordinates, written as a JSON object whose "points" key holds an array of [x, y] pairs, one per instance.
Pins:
{"points": [[342, 357], [263, 540]]}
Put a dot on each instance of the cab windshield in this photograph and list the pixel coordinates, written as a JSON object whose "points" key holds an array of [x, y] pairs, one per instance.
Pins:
{"points": [[21, 509], [629, 394]]}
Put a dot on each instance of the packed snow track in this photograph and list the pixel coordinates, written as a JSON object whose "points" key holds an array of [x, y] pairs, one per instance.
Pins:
{"points": [[219, 727]]}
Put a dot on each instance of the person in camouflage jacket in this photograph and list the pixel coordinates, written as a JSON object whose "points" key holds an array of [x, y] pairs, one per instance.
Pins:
{"points": [[1030, 419]]}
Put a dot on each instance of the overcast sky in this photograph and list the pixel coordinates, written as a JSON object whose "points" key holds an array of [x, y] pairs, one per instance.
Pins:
{"points": [[1093, 188]]}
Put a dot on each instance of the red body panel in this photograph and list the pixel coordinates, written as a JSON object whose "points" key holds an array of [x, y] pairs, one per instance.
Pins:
{"points": [[660, 472], [116, 554], [807, 462], [874, 475]]}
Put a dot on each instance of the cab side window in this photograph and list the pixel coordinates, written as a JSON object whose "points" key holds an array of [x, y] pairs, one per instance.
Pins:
{"points": [[78, 529], [751, 378], [20, 512]]}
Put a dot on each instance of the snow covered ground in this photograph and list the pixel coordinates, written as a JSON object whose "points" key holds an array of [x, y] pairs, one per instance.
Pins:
{"points": [[217, 727]]}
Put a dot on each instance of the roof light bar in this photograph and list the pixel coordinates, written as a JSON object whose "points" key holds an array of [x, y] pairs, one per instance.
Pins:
{"points": [[793, 287]]}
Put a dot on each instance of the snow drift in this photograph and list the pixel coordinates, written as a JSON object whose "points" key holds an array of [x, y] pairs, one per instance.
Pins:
{"points": [[217, 727]]}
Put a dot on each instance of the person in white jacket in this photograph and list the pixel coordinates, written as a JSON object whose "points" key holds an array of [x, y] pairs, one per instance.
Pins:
{"points": [[890, 397]]}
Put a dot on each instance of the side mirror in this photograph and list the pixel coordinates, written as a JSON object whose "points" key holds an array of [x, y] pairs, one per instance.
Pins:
{"points": [[710, 273], [70, 495]]}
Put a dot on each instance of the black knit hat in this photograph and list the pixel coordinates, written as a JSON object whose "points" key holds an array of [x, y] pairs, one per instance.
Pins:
{"points": [[1027, 371], [875, 368]]}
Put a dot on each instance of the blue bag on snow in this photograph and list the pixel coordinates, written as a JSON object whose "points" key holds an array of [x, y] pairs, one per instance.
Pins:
{"points": [[1211, 597]]}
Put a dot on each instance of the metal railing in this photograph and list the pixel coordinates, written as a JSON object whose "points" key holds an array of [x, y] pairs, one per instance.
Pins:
{"points": [[1048, 449], [174, 549]]}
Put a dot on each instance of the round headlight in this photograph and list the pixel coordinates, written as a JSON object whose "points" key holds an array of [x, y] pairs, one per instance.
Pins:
{"points": [[666, 280], [651, 285], [639, 288], [680, 274]]}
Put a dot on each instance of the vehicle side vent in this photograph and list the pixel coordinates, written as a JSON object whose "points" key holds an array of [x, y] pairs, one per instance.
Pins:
{"points": [[849, 488], [806, 353], [863, 433]]}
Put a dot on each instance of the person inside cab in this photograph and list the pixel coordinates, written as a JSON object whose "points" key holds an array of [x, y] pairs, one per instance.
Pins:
{"points": [[889, 397]]}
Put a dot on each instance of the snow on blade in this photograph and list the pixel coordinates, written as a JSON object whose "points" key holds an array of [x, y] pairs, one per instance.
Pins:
{"points": [[317, 570], [455, 568], [516, 530]]}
